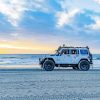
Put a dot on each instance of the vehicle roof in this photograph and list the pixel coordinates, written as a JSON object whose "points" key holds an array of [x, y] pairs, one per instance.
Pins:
{"points": [[74, 47], [64, 47]]}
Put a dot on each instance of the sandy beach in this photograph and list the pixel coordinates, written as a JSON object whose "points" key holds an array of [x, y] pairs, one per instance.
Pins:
{"points": [[60, 84], [49, 34]]}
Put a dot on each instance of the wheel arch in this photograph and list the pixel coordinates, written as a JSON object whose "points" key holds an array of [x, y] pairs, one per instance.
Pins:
{"points": [[49, 59], [84, 59]]}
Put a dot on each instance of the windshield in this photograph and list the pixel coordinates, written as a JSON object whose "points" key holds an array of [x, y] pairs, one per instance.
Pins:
{"points": [[58, 50]]}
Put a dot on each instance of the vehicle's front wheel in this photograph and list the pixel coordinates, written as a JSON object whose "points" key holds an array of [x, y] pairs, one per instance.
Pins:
{"points": [[48, 65], [84, 65]]}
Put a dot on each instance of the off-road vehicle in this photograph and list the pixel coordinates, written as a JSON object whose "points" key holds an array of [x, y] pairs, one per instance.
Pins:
{"points": [[79, 58]]}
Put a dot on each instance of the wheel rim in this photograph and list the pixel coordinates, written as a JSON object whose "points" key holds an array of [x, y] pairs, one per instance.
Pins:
{"points": [[48, 66], [84, 66]]}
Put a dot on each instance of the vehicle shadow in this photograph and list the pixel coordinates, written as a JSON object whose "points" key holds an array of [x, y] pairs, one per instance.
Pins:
{"points": [[41, 70]]}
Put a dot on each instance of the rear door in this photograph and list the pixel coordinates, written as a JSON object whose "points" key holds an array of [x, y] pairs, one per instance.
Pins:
{"points": [[74, 56]]}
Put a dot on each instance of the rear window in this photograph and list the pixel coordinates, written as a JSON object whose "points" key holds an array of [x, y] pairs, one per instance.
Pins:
{"points": [[84, 52], [74, 51]]}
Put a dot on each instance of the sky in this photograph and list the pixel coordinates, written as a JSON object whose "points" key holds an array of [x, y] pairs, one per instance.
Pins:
{"points": [[40, 26]]}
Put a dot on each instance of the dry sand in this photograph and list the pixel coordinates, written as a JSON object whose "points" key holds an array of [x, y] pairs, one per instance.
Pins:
{"points": [[60, 84]]}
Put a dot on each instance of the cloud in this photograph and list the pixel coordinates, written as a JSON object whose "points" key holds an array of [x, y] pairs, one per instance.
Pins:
{"points": [[65, 18], [97, 1], [96, 25], [69, 13], [14, 10], [14, 34], [80, 4], [38, 5]]}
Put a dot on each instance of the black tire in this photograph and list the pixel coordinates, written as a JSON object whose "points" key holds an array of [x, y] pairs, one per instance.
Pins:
{"points": [[84, 65], [76, 68], [48, 65]]}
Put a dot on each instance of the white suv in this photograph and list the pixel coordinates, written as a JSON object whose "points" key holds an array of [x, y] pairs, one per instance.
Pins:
{"points": [[79, 58]]}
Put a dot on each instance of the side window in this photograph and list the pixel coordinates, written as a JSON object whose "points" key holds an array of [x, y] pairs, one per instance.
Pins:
{"points": [[65, 51], [84, 52], [74, 51]]}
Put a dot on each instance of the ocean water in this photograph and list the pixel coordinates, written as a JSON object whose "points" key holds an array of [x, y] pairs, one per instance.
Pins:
{"points": [[20, 59], [32, 59]]}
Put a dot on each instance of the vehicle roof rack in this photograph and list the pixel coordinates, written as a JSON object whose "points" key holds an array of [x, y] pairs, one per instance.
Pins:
{"points": [[71, 47]]}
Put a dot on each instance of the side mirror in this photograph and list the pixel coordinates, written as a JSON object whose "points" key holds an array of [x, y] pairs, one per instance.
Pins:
{"points": [[59, 54]]}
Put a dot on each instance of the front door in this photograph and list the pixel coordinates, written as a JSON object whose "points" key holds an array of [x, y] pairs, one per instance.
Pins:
{"points": [[65, 57]]}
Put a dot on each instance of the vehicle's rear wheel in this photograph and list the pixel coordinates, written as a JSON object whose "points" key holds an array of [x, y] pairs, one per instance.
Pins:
{"points": [[48, 65], [84, 65]]}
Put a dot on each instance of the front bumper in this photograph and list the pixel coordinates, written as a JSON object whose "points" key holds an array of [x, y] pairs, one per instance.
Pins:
{"points": [[40, 61]]}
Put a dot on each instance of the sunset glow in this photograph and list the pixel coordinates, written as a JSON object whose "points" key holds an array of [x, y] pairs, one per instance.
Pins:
{"points": [[40, 26], [22, 47]]}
